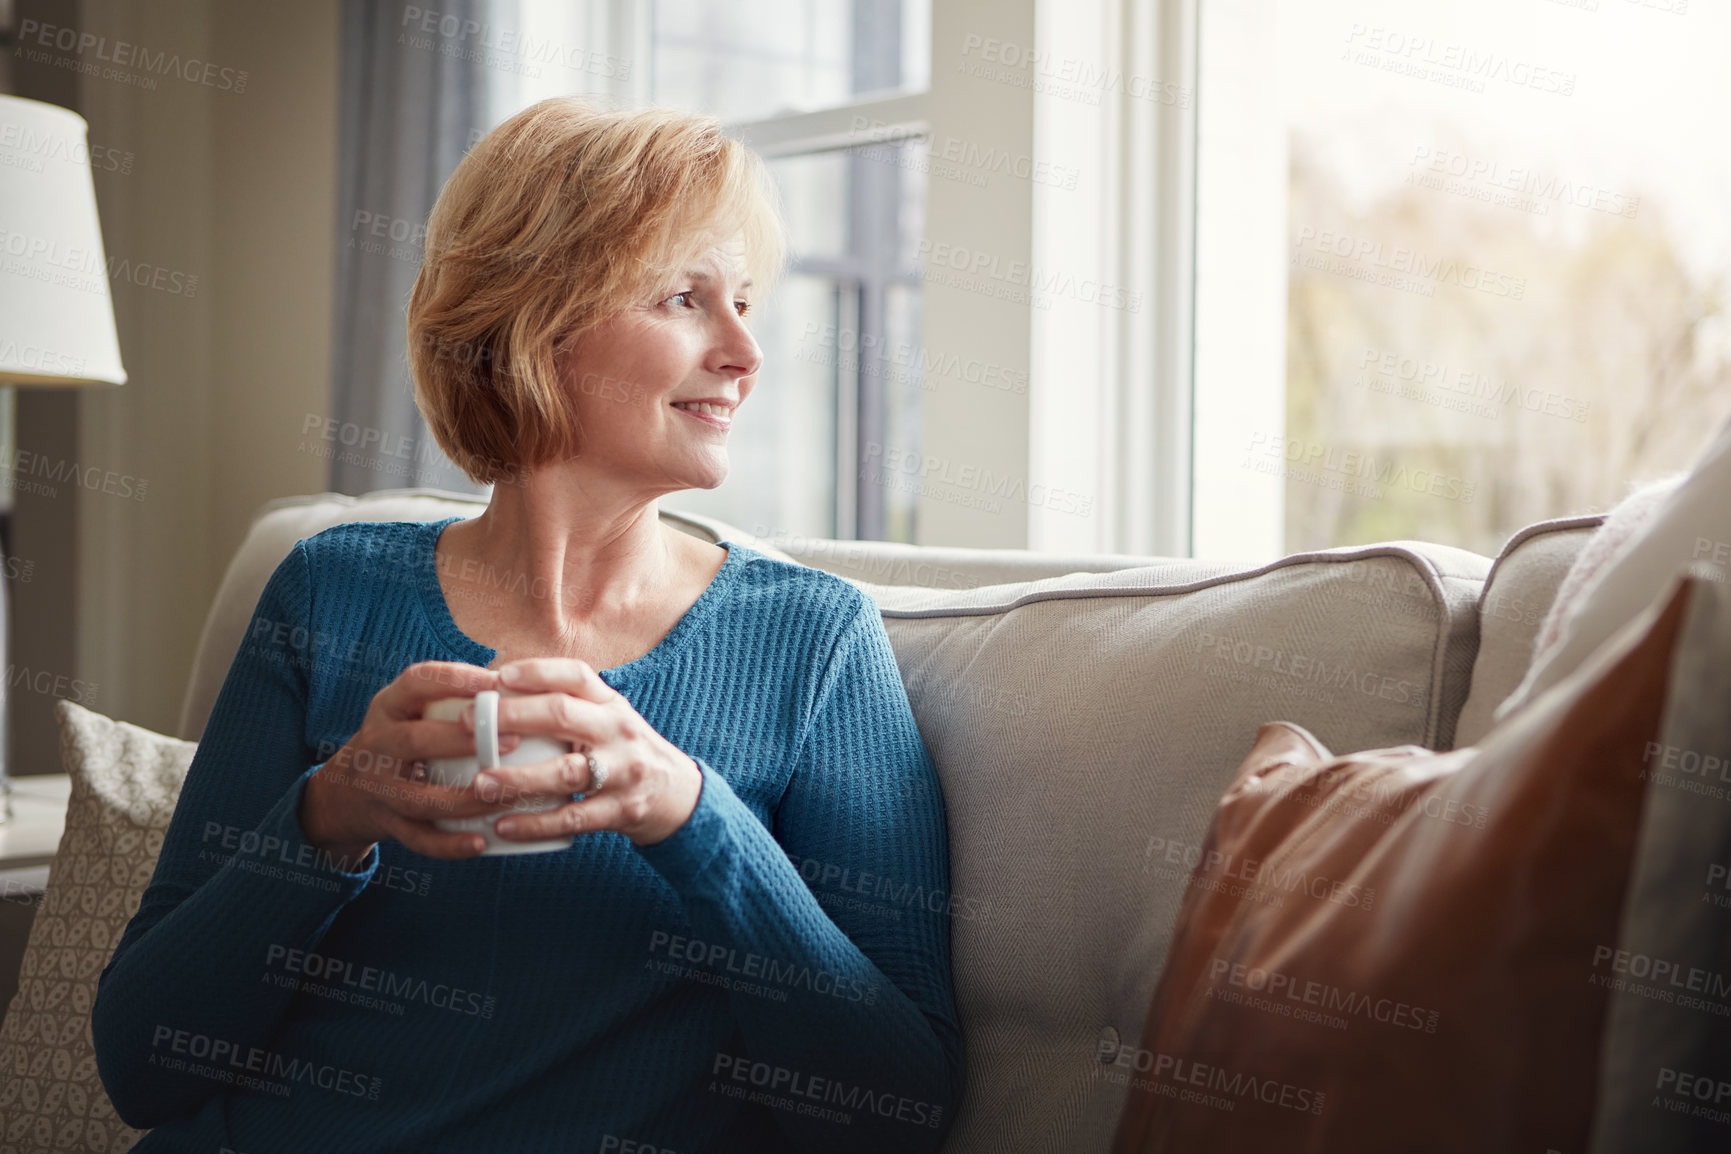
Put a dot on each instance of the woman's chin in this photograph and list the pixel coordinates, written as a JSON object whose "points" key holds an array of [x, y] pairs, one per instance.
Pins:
{"points": [[709, 477]]}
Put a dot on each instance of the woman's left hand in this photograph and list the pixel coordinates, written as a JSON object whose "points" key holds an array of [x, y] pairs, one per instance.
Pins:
{"points": [[651, 785]]}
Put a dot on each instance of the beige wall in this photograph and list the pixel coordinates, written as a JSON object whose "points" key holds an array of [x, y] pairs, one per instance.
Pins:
{"points": [[239, 190], [275, 260]]}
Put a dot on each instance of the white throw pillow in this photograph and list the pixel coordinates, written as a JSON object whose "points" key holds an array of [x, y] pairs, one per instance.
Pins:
{"points": [[1691, 527]]}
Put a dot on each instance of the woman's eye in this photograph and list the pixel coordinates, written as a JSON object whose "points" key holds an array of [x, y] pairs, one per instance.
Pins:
{"points": [[687, 299]]}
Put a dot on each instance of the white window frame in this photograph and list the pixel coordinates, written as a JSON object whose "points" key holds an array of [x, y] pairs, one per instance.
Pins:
{"points": [[1099, 447], [1107, 416], [1241, 229], [858, 123], [1112, 388]]}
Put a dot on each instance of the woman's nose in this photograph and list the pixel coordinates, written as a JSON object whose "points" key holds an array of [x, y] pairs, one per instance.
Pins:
{"points": [[739, 351]]}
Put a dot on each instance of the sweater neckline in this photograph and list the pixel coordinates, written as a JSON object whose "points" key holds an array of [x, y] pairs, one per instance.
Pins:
{"points": [[445, 625]]}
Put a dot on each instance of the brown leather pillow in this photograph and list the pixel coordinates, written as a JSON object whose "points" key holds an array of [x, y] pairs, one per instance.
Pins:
{"points": [[1406, 950]]}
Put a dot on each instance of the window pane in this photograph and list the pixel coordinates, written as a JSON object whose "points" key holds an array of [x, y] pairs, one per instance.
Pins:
{"points": [[751, 59], [815, 199], [838, 394], [1506, 260], [883, 348], [832, 332], [781, 451], [903, 380]]}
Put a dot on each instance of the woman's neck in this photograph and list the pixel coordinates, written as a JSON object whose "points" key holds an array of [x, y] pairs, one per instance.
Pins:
{"points": [[579, 555]]}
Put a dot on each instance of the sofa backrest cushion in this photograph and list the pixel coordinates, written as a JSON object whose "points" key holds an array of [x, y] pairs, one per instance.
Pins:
{"points": [[1084, 727], [940, 567], [1516, 597]]}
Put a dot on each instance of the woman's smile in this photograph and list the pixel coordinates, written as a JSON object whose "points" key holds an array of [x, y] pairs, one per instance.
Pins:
{"points": [[717, 414]]}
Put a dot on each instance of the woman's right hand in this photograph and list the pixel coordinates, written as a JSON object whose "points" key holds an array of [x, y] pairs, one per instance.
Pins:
{"points": [[375, 789]]}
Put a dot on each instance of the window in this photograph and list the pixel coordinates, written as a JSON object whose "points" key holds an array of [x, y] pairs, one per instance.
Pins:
{"points": [[1459, 267], [829, 93], [802, 81], [1386, 270]]}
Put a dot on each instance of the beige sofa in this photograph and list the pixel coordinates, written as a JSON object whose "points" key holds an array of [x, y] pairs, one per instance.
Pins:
{"points": [[1084, 714]]}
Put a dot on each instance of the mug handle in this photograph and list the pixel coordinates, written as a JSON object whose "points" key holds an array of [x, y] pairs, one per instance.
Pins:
{"points": [[487, 728]]}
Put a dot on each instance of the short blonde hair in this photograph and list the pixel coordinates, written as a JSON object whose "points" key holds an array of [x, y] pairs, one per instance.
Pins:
{"points": [[556, 220]]}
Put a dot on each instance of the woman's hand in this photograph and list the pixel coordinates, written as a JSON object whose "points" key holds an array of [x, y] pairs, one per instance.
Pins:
{"points": [[374, 788], [651, 786]]}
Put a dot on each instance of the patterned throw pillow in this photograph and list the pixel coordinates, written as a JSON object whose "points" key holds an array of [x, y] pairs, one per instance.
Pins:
{"points": [[125, 781]]}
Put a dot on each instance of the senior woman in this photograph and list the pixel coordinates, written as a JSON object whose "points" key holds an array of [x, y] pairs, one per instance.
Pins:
{"points": [[744, 946]]}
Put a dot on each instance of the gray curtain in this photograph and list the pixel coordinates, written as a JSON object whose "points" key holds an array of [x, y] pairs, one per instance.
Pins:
{"points": [[412, 104]]}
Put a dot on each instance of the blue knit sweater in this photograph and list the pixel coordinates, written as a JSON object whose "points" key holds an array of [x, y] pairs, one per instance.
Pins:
{"points": [[773, 976]]}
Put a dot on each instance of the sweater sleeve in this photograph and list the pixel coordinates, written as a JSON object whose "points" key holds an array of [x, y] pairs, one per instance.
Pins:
{"points": [[234, 880], [847, 1009]]}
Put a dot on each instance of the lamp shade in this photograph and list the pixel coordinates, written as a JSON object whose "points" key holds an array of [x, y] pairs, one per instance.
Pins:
{"points": [[56, 315]]}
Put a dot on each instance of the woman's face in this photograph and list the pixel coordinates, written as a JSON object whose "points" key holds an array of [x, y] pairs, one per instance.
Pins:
{"points": [[632, 376]]}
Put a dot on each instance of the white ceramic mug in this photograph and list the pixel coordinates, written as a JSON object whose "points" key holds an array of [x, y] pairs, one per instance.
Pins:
{"points": [[460, 771]]}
